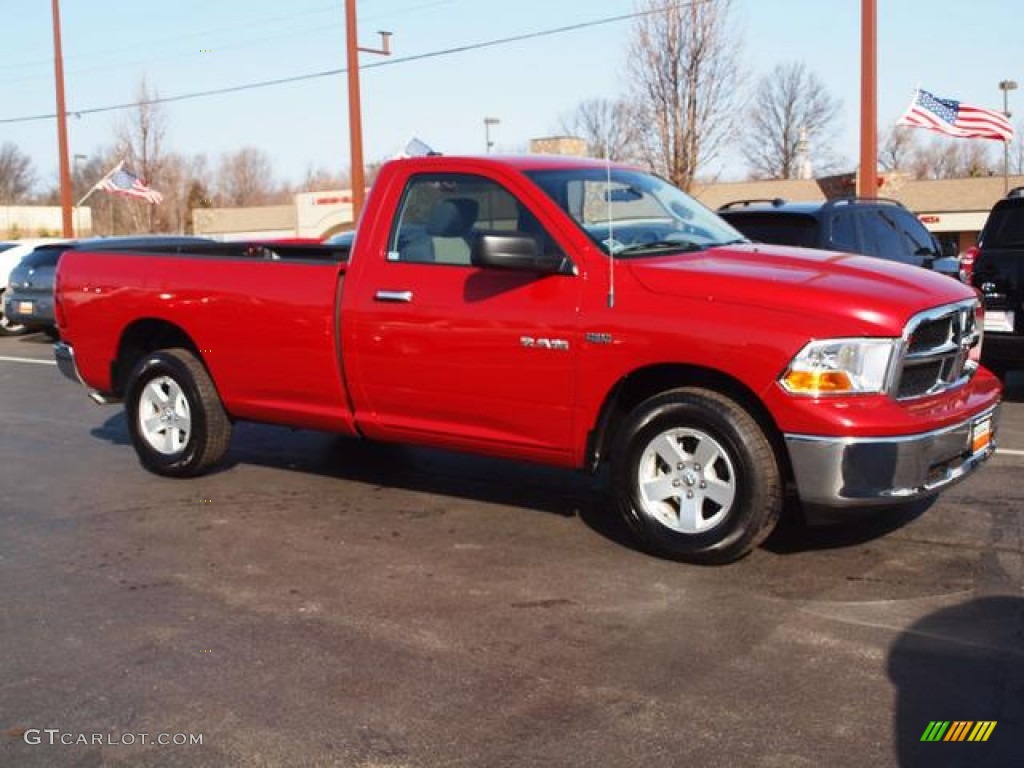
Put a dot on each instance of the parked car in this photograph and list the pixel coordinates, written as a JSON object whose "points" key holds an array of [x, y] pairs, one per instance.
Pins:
{"points": [[875, 227], [28, 301], [996, 268], [343, 239], [563, 311], [11, 254]]}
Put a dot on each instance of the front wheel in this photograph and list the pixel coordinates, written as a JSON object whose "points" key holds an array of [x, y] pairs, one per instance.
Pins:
{"points": [[175, 417], [7, 326], [696, 478]]}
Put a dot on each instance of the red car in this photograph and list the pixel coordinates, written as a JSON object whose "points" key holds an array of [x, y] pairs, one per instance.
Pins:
{"points": [[565, 312]]}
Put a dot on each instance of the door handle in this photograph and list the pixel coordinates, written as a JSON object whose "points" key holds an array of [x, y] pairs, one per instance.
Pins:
{"points": [[399, 297]]}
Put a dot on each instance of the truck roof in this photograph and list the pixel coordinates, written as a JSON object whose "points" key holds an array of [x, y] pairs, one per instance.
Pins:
{"points": [[518, 162]]}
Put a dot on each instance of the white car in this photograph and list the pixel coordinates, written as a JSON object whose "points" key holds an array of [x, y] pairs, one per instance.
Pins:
{"points": [[11, 253]]}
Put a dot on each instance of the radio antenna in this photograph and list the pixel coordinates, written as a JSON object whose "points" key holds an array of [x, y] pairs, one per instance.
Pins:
{"points": [[611, 225]]}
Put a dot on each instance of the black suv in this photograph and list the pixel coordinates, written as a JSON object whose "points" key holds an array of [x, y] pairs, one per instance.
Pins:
{"points": [[875, 227], [998, 272]]}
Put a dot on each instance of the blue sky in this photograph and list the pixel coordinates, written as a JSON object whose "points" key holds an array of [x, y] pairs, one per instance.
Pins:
{"points": [[955, 49]]}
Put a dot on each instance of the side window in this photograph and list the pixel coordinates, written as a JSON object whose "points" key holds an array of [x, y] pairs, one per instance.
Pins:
{"points": [[917, 239], [441, 215], [882, 237], [843, 232]]}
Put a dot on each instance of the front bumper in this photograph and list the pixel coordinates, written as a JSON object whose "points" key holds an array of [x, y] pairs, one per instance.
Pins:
{"points": [[866, 472]]}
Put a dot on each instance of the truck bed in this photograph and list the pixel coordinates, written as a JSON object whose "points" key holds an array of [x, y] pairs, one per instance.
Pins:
{"points": [[263, 318]]}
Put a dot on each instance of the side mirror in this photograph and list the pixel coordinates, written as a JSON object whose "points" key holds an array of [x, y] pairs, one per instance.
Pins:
{"points": [[514, 251]]}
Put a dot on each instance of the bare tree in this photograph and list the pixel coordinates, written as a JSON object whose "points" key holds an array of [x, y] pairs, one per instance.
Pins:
{"points": [[898, 148], [685, 70], [16, 174], [944, 158], [320, 179], [608, 126], [246, 177], [140, 144], [791, 104]]}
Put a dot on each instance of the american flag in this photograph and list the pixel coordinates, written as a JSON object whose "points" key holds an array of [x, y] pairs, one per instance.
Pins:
{"points": [[126, 183], [954, 118]]}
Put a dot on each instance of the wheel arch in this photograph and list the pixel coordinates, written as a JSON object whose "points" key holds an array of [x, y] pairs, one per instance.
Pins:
{"points": [[640, 385], [140, 338]]}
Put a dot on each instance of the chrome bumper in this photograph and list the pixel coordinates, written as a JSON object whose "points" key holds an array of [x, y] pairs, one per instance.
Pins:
{"points": [[876, 471], [65, 357]]}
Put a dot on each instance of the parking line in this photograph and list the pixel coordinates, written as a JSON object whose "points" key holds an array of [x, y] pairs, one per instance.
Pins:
{"points": [[6, 359], [1008, 452]]}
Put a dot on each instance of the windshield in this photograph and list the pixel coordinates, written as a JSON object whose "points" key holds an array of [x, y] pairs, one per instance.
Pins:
{"points": [[630, 213]]}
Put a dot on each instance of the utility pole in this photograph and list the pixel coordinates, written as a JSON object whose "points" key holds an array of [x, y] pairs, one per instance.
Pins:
{"points": [[868, 99], [355, 117], [1006, 86], [62, 128]]}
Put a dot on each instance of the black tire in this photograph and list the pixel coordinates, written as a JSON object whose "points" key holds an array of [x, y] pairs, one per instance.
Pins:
{"points": [[733, 503], [184, 451], [7, 327]]}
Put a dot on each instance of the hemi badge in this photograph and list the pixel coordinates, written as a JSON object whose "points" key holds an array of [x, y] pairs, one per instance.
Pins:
{"points": [[598, 338]]}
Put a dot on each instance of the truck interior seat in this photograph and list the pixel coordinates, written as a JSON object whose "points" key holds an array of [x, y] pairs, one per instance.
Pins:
{"points": [[449, 226]]}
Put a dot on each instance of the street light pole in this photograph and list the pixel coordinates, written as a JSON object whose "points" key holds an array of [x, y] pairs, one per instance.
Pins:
{"points": [[355, 118], [1006, 86], [62, 127], [488, 122]]}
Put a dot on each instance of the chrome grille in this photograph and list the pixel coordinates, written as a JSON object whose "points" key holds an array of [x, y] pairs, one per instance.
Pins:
{"points": [[936, 348]]}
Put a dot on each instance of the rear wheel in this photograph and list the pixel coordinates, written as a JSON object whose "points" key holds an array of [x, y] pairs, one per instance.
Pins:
{"points": [[7, 326], [696, 477], [175, 417]]}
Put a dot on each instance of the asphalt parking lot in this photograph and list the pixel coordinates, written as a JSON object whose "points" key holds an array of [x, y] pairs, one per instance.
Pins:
{"points": [[325, 602]]}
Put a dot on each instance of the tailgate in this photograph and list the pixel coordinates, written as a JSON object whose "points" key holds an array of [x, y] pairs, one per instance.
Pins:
{"points": [[999, 274]]}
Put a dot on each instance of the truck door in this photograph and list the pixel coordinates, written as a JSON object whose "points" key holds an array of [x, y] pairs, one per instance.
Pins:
{"points": [[446, 353]]}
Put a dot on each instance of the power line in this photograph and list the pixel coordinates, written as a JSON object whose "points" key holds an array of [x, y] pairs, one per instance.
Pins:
{"points": [[206, 34], [342, 70]]}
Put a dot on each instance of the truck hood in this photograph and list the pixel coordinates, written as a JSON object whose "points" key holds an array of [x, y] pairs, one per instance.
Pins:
{"points": [[878, 295]]}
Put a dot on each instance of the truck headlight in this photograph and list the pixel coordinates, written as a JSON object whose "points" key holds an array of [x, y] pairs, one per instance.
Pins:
{"points": [[840, 367]]}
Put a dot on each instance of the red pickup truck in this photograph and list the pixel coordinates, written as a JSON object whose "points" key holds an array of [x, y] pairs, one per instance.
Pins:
{"points": [[560, 311]]}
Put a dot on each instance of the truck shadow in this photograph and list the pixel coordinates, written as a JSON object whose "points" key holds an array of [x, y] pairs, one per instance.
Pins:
{"points": [[562, 492], [1013, 383], [961, 663], [793, 534], [551, 490]]}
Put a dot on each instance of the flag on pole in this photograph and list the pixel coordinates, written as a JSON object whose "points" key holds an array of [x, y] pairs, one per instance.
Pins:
{"points": [[954, 118], [127, 184]]}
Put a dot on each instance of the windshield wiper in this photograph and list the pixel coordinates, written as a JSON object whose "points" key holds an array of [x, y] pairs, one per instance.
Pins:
{"points": [[660, 245]]}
